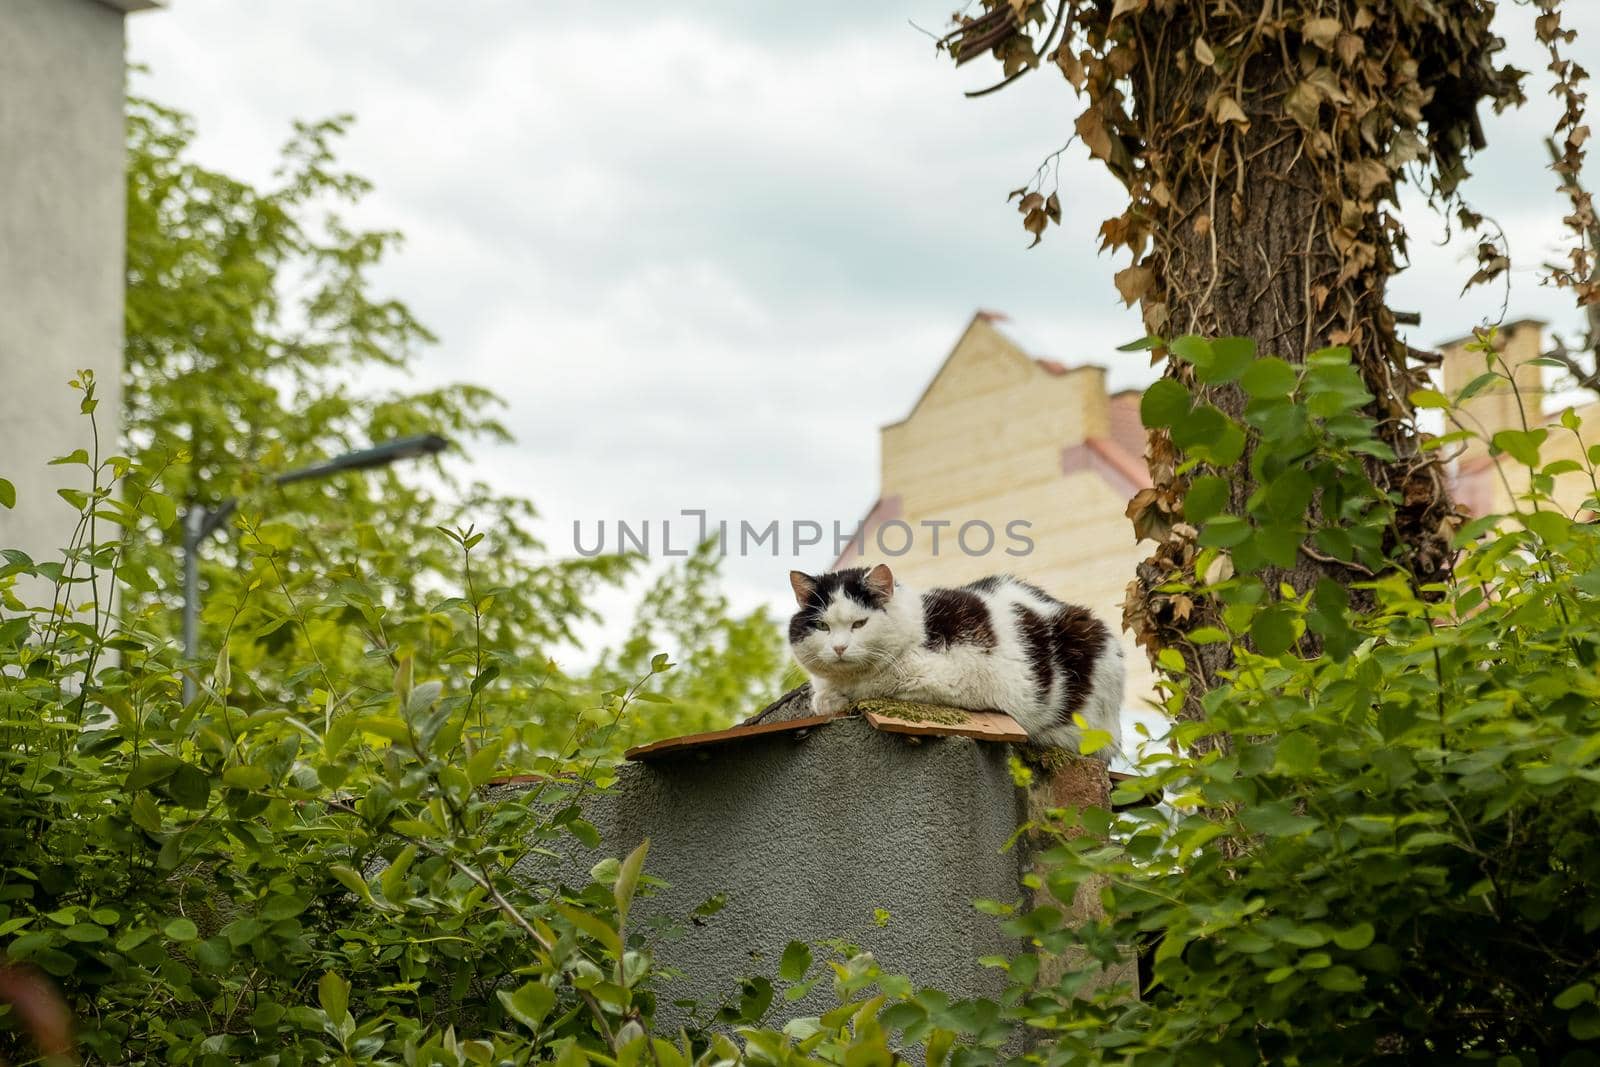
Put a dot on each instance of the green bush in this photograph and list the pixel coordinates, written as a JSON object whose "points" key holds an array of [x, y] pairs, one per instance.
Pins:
{"points": [[1386, 850], [325, 876]]}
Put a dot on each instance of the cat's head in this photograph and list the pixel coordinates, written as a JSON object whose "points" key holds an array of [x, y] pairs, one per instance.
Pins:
{"points": [[847, 623]]}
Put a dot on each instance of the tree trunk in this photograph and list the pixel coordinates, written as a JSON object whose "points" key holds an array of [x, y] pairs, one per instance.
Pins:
{"points": [[1266, 236]]}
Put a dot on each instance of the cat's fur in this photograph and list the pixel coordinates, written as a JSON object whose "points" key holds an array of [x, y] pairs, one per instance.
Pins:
{"points": [[997, 644]]}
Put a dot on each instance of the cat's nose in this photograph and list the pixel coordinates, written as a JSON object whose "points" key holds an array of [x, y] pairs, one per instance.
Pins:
{"points": [[839, 650]]}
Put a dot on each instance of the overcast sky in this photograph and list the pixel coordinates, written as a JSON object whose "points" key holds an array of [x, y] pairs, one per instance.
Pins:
{"points": [[704, 251]]}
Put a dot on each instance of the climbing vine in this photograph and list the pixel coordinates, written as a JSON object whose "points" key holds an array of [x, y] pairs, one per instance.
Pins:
{"points": [[1262, 144]]}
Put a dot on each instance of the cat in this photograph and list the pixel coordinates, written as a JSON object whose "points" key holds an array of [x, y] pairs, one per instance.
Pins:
{"points": [[996, 644]]}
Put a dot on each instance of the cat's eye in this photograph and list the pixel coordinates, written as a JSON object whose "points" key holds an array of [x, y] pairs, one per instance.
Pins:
{"points": [[824, 627], [858, 624]]}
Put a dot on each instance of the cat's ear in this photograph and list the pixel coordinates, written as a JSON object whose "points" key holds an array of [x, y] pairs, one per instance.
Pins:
{"points": [[880, 580], [803, 585]]}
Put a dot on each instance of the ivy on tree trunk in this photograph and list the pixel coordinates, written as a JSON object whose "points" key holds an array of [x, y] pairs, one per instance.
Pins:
{"points": [[1261, 146]]}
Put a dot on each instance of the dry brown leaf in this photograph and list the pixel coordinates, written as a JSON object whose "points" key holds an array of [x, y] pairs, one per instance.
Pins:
{"points": [[1182, 608], [1203, 52], [1202, 224], [1321, 32], [1349, 48], [1303, 104], [1226, 109], [1071, 66], [1150, 520], [1220, 569], [1034, 223], [1092, 128], [1133, 282], [1156, 315], [1369, 176], [1123, 7]]}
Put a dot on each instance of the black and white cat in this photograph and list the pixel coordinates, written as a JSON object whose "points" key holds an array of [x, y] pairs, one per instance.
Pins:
{"points": [[997, 644]]}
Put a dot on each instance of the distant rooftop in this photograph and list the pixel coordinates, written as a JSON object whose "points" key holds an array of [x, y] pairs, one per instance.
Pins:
{"points": [[1506, 328]]}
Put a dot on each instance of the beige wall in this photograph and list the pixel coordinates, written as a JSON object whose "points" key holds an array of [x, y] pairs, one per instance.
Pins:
{"points": [[61, 249], [986, 442], [1492, 485]]}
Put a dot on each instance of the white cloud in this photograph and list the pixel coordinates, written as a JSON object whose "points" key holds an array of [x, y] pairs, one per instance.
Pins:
{"points": [[705, 253]]}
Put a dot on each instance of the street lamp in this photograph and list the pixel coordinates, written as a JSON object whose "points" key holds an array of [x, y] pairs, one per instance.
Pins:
{"points": [[201, 522]]}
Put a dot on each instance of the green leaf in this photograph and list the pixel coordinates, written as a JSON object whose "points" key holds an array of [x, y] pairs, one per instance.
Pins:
{"points": [[246, 776], [1272, 630], [152, 770], [283, 906], [1341, 979], [144, 813], [1225, 531], [628, 879], [180, 929], [1192, 349], [796, 961], [1355, 938], [132, 939], [1164, 404], [1584, 1024], [1230, 358], [1478, 384], [8, 494], [594, 926], [1521, 445], [1204, 425], [1297, 754], [1573, 995], [190, 786], [351, 880], [529, 1004], [333, 993], [1269, 377], [1551, 527], [1276, 820], [1429, 398], [1143, 344]]}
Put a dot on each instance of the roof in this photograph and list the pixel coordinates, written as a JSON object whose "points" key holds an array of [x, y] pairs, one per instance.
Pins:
{"points": [[1505, 328], [1053, 367], [1118, 457]]}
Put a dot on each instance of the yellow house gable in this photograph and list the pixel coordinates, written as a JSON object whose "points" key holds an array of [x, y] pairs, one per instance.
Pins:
{"points": [[982, 361], [1008, 463]]}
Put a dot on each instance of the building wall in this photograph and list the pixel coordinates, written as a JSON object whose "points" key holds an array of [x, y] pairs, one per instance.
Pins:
{"points": [[1493, 484], [995, 437], [61, 250]]}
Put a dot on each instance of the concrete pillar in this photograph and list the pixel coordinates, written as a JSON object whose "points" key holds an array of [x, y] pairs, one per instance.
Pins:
{"points": [[832, 831]]}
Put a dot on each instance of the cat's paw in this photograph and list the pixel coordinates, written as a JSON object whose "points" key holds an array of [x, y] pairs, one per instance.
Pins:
{"points": [[829, 702]]}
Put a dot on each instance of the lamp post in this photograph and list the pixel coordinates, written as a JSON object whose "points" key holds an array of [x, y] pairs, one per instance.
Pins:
{"points": [[201, 522]]}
